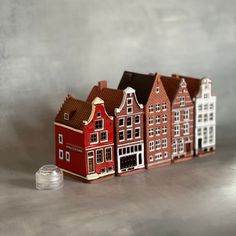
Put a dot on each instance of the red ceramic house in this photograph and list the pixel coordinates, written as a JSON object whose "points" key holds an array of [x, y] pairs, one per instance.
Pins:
{"points": [[128, 126], [157, 111], [84, 139], [182, 118]]}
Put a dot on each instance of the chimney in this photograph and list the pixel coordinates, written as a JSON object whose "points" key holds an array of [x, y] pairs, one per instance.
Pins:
{"points": [[102, 84]]}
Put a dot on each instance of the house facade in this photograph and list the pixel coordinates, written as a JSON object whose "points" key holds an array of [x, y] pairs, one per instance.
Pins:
{"points": [[157, 110], [84, 139], [181, 118], [204, 114], [128, 126]]}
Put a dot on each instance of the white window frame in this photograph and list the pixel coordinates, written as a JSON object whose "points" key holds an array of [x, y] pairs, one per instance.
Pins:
{"points": [[158, 144], [157, 89], [102, 156], [131, 110], [175, 147], [131, 103], [158, 119], [150, 120], [90, 138], [177, 130], [119, 122], [164, 106], [151, 146], [158, 107], [131, 124], [121, 131], [164, 118], [182, 101], [138, 120], [151, 132], [186, 115], [150, 108], [106, 153], [164, 143], [61, 154], [66, 116], [158, 156], [60, 138], [102, 125], [105, 131], [158, 131], [138, 128], [186, 128], [131, 134], [181, 145], [177, 116], [164, 129], [68, 156], [91, 157], [165, 154]]}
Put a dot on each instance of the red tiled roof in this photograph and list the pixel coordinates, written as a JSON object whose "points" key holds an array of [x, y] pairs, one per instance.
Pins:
{"points": [[112, 97], [78, 112], [171, 86], [193, 84], [141, 83]]}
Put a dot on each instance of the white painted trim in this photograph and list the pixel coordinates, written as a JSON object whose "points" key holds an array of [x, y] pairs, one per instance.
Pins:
{"points": [[68, 127], [91, 148], [130, 143]]}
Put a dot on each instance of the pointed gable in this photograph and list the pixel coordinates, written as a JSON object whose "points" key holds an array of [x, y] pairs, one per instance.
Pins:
{"points": [[193, 84], [112, 97], [171, 86], [141, 83], [73, 112]]}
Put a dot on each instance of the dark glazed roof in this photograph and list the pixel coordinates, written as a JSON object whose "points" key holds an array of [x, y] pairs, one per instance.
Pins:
{"points": [[193, 84], [112, 98], [78, 112], [171, 86], [141, 83]]}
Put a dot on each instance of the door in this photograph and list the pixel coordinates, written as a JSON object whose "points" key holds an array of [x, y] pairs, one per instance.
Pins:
{"points": [[199, 143], [128, 161], [188, 147]]}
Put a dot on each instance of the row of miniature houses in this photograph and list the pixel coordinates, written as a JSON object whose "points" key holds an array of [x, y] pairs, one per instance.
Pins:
{"points": [[149, 121]]}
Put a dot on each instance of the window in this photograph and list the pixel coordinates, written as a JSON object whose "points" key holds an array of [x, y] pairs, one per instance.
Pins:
{"points": [[210, 130], [205, 107], [158, 156], [137, 119], [129, 134], [164, 130], [205, 117], [174, 147], [99, 124], [121, 136], [90, 162], [130, 110], [164, 106], [200, 107], [211, 106], [67, 156], [158, 119], [186, 128], [61, 154], [177, 116], [94, 138], [129, 121], [120, 151], [99, 114], [186, 115], [108, 154], [205, 95], [158, 144], [137, 133], [158, 107], [164, 118], [121, 122], [211, 116], [99, 155], [157, 89], [151, 145], [60, 138], [165, 154], [177, 133], [140, 147], [181, 145], [199, 131], [66, 116], [151, 158], [150, 108], [158, 131], [199, 118], [182, 101], [103, 136], [151, 132], [129, 101], [164, 143], [150, 120]]}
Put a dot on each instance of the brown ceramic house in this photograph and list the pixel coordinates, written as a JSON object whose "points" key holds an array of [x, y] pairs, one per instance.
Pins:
{"points": [[181, 118], [128, 126], [151, 93]]}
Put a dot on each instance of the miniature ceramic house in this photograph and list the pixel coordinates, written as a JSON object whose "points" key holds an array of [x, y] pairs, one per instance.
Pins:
{"points": [[128, 126], [151, 93], [84, 139], [182, 118], [205, 113]]}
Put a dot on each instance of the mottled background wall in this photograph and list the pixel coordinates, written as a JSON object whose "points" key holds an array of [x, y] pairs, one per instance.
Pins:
{"points": [[49, 48]]}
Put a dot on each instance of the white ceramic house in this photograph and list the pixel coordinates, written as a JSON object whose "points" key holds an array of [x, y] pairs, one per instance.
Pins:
{"points": [[205, 118]]}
